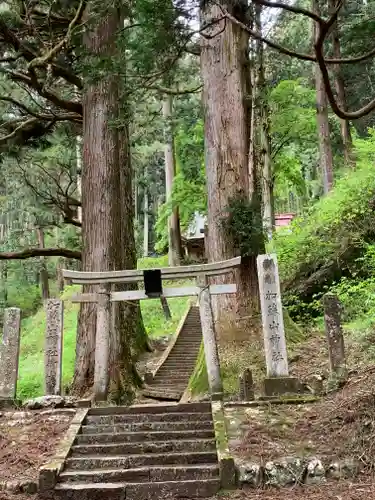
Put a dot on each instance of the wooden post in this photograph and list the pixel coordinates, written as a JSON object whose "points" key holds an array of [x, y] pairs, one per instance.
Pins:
{"points": [[103, 327], [209, 340]]}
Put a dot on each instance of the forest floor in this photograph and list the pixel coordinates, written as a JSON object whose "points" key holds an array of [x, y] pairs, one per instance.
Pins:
{"points": [[340, 425], [28, 439]]}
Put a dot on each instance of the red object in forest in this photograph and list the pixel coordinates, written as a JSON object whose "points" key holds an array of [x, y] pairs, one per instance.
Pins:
{"points": [[284, 219]]}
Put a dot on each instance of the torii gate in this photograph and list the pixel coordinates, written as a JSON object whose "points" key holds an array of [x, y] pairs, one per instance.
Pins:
{"points": [[152, 279]]}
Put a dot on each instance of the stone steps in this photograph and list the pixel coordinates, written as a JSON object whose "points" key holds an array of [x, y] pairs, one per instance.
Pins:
{"points": [[139, 491], [172, 378], [133, 461], [161, 393], [153, 417], [152, 474], [155, 409], [135, 427], [144, 447], [124, 437], [144, 452]]}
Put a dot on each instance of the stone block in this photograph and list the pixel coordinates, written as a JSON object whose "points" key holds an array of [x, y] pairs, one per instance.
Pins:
{"points": [[343, 469], [29, 487], [315, 472], [250, 474], [227, 473], [315, 384], [277, 386], [9, 404], [286, 472], [47, 478], [9, 353], [246, 386]]}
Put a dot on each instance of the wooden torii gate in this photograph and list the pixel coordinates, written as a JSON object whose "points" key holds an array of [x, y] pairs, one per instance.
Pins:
{"points": [[105, 296]]}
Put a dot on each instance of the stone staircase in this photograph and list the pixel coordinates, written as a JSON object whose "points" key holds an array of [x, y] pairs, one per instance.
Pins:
{"points": [[142, 453], [172, 377]]}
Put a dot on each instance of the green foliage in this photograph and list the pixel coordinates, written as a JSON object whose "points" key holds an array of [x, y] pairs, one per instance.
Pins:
{"points": [[357, 292], [335, 232], [243, 225]]}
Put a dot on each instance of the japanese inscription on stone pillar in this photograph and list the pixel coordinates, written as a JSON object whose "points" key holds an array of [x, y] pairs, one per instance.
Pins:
{"points": [[53, 347], [9, 353], [272, 316]]}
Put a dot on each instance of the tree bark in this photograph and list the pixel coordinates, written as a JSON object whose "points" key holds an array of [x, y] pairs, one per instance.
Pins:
{"points": [[79, 174], [145, 221], [43, 268], [341, 94], [174, 230], [325, 149], [226, 88], [107, 212], [267, 178]]}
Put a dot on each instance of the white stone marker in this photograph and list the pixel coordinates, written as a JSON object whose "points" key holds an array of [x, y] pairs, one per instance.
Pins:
{"points": [[272, 316]]}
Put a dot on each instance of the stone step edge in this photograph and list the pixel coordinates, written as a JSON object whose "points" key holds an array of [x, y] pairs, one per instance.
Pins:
{"points": [[134, 455], [143, 410], [192, 423], [121, 485], [185, 416], [211, 467], [186, 442], [174, 433], [162, 395]]}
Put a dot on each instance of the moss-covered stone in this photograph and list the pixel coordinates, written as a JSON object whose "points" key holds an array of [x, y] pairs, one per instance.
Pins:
{"points": [[293, 333], [228, 475], [198, 383], [277, 386]]}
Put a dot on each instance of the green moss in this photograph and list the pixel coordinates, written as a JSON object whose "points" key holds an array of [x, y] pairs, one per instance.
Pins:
{"points": [[198, 383], [293, 333]]}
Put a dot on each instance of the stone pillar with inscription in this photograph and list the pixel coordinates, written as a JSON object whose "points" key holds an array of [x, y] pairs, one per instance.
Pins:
{"points": [[9, 354], [278, 380], [53, 347], [334, 334]]}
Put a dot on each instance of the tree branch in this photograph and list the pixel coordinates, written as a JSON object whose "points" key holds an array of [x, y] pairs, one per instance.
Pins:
{"points": [[41, 252], [41, 116], [165, 90], [72, 221], [293, 53], [345, 115], [46, 58], [290, 8], [24, 50]]}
